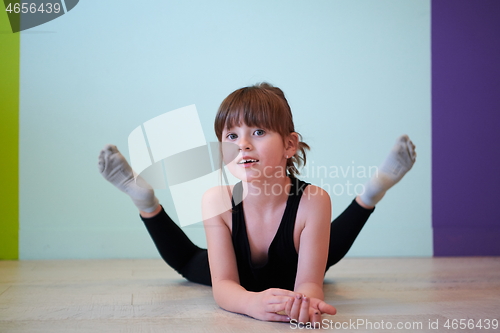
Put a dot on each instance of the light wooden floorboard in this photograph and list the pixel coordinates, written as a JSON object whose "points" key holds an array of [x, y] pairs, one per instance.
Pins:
{"points": [[148, 296]]}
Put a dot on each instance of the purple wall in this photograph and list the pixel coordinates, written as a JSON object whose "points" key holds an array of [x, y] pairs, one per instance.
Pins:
{"points": [[466, 127]]}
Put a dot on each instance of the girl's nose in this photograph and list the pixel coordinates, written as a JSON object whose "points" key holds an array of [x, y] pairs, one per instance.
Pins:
{"points": [[244, 144]]}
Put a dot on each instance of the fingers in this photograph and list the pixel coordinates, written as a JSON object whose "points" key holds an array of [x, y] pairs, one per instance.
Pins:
{"points": [[314, 315], [281, 305], [277, 308], [295, 309], [304, 310], [282, 308], [298, 307], [277, 317], [326, 308], [301, 310], [288, 306], [279, 299]]}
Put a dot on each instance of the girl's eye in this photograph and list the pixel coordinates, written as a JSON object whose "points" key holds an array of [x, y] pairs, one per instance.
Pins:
{"points": [[231, 136], [260, 132]]}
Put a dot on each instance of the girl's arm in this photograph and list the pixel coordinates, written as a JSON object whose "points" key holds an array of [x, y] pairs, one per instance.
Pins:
{"points": [[227, 291], [314, 242], [313, 255]]}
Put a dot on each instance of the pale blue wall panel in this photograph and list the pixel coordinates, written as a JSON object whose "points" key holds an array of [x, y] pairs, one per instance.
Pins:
{"points": [[357, 74]]}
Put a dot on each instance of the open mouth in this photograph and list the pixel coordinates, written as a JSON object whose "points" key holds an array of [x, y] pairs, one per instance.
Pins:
{"points": [[247, 161]]}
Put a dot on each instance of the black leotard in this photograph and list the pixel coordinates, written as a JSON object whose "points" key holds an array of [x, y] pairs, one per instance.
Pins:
{"points": [[280, 269]]}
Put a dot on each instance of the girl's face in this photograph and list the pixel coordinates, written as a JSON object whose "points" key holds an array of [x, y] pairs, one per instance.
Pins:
{"points": [[262, 153]]}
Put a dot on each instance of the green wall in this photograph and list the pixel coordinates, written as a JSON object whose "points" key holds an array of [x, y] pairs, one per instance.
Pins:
{"points": [[9, 136]]}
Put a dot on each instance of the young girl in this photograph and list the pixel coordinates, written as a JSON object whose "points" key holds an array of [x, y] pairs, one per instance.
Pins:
{"points": [[271, 246]]}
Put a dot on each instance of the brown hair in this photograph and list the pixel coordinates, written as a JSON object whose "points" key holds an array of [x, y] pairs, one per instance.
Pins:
{"points": [[261, 105]]}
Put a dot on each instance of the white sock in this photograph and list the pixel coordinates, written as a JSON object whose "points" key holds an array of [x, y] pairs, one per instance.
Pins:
{"points": [[115, 169], [399, 161]]}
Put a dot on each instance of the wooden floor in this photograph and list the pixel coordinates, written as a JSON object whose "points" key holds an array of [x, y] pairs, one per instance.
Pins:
{"points": [[147, 296]]}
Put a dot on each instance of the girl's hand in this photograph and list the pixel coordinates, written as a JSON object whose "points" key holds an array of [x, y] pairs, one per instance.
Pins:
{"points": [[264, 305], [305, 309]]}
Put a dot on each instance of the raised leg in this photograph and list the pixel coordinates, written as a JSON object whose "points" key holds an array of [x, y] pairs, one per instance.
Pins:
{"points": [[177, 249], [174, 246], [399, 161], [345, 228], [115, 169]]}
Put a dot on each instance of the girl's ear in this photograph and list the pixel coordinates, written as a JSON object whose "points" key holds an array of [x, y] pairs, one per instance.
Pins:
{"points": [[291, 144]]}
